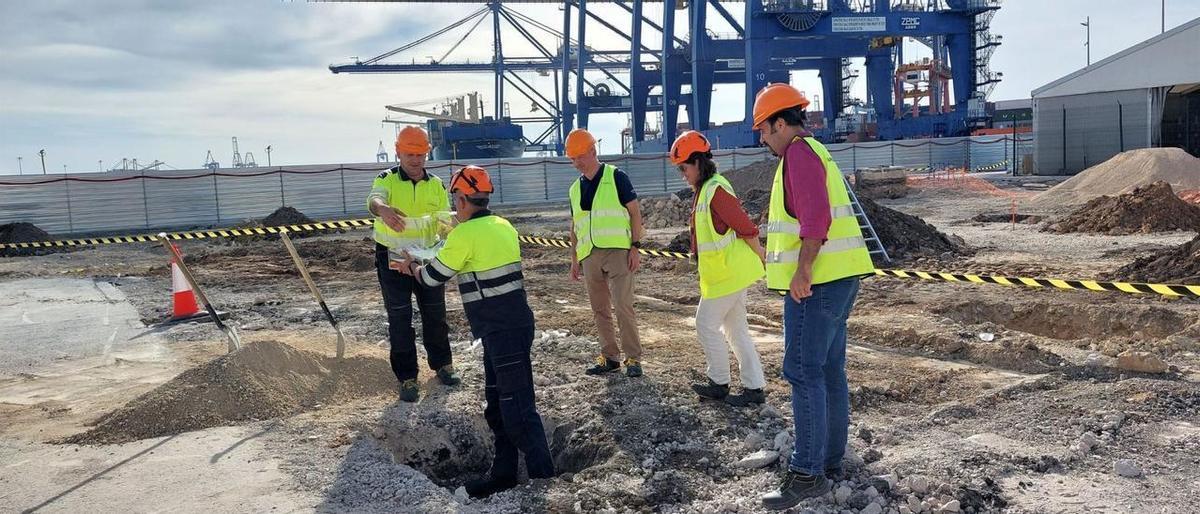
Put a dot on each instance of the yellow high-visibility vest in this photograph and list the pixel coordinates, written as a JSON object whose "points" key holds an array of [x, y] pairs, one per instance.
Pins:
{"points": [[727, 263], [607, 225]]}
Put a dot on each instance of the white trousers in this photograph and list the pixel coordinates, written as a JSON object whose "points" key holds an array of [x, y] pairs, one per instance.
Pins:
{"points": [[728, 312]]}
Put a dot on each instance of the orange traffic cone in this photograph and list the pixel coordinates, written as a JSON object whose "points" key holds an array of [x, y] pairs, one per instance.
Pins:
{"points": [[184, 299]]}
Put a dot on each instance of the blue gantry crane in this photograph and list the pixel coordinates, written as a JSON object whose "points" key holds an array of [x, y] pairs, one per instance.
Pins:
{"points": [[665, 72]]}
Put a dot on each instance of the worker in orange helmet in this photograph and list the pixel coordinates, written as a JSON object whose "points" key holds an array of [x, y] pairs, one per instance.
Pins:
{"points": [[484, 253], [606, 232], [816, 254], [409, 192], [730, 260]]}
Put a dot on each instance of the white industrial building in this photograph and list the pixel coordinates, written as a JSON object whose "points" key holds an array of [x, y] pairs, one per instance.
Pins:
{"points": [[1147, 95]]}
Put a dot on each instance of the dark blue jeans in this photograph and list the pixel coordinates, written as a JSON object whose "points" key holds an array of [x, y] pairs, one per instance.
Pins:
{"points": [[510, 411], [814, 362]]}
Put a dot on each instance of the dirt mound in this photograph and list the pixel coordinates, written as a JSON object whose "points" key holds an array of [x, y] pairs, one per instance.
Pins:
{"points": [[906, 236], [22, 232], [1179, 265], [665, 211], [1123, 173], [757, 175], [1152, 208], [261, 381], [285, 216]]}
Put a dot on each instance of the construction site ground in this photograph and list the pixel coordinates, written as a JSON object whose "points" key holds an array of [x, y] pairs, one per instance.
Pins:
{"points": [[965, 397]]}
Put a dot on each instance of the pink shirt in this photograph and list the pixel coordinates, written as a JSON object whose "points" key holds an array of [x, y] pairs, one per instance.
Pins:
{"points": [[805, 196]]}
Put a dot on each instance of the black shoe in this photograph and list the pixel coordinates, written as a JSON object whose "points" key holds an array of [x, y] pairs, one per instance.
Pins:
{"points": [[448, 376], [796, 487], [748, 397], [633, 368], [410, 391], [603, 365], [711, 390], [488, 486], [836, 474]]}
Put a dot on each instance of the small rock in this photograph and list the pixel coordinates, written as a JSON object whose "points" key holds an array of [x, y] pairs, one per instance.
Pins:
{"points": [[858, 500], [782, 441], [461, 494], [1127, 468], [753, 441], [873, 508], [919, 485], [769, 412], [379, 433], [842, 494], [1142, 362], [914, 503], [871, 455], [758, 459], [951, 506], [1087, 442], [872, 492], [883, 483], [541, 381], [865, 433]]}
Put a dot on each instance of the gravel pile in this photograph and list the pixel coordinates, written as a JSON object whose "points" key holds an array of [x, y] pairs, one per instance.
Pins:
{"points": [[21, 232], [907, 237], [261, 381]]}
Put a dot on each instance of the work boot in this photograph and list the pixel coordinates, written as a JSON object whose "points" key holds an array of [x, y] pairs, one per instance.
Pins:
{"points": [[448, 376], [748, 397], [795, 488], [488, 486], [603, 365], [410, 391], [633, 368], [711, 390]]}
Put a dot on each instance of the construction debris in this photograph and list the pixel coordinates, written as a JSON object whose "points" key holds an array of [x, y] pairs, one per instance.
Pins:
{"points": [[1151, 208], [1122, 174]]}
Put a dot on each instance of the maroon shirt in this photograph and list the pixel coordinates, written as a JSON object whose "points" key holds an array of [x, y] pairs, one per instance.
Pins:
{"points": [[806, 196]]}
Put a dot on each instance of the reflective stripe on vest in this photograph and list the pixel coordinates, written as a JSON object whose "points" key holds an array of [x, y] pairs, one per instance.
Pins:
{"points": [[507, 287], [843, 255], [726, 262], [495, 256], [607, 224]]}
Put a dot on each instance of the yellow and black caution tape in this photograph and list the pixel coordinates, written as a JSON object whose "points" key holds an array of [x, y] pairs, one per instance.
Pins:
{"points": [[1172, 290], [1054, 283], [196, 234]]}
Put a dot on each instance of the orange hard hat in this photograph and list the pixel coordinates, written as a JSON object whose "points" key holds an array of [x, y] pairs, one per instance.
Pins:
{"points": [[470, 180], [687, 144], [579, 142], [776, 97], [412, 140]]}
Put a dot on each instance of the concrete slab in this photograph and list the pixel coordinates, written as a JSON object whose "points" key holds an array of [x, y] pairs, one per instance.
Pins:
{"points": [[43, 320]]}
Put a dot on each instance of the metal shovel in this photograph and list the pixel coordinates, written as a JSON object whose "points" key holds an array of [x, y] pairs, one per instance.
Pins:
{"points": [[341, 338], [230, 333]]}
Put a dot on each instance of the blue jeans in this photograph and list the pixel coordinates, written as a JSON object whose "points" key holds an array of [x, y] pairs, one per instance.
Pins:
{"points": [[814, 362]]}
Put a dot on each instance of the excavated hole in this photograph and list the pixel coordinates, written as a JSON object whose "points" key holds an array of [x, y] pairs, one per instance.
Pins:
{"points": [[1070, 322], [452, 449]]}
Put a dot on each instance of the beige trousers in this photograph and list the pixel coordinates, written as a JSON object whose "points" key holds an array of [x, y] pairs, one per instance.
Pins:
{"points": [[610, 287], [729, 313]]}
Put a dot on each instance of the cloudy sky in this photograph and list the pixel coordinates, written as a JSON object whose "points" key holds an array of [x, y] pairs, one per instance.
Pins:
{"points": [[168, 80]]}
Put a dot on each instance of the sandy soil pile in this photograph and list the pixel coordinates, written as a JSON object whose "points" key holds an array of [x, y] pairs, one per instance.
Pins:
{"points": [[1152, 208], [1179, 265], [261, 381], [1122, 174]]}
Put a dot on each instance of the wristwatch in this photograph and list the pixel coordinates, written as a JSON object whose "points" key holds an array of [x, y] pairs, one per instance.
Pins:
{"points": [[636, 244]]}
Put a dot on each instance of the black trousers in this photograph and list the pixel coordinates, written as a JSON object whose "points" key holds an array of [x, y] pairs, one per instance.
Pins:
{"points": [[510, 411], [398, 290]]}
